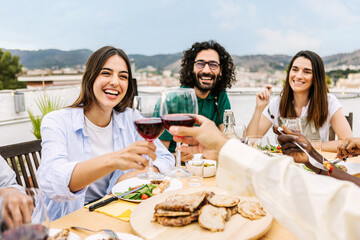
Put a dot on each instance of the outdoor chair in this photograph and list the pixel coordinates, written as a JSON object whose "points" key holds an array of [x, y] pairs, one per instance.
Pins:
{"points": [[349, 118], [24, 159]]}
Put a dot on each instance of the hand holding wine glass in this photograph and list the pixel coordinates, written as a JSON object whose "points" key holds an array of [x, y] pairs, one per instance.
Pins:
{"points": [[178, 107], [148, 127], [33, 223]]}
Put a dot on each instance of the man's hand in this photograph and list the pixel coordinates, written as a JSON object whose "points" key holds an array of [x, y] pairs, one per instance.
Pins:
{"points": [[185, 156], [286, 140], [206, 139], [18, 207]]}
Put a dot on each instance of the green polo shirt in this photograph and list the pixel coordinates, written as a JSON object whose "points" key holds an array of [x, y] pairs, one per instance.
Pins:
{"points": [[206, 107]]}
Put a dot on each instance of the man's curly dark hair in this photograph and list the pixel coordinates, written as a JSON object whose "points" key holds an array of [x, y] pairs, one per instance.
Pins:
{"points": [[187, 76]]}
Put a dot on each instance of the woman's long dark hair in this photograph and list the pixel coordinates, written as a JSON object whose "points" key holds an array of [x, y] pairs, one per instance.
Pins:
{"points": [[93, 67], [187, 76], [318, 107]]}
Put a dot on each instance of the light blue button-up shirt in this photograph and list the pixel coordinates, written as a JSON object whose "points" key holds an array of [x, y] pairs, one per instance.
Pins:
{"points": [[65, 143], [7, 176]]}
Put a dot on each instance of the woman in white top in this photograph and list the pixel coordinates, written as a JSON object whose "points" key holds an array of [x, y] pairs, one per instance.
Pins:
{"points": [[305, 95], [90, 145]]}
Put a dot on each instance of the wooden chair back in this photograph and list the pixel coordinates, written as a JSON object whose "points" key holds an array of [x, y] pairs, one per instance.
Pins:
{"points": [[349, 118], [24, 159]]}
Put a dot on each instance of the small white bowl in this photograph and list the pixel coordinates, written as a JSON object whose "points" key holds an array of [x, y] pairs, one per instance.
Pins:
{"points": [[209, 171]]}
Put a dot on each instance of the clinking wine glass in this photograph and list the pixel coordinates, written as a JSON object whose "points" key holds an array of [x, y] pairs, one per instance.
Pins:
{"points": [[178, 107], [148, 126], [37, 229]]}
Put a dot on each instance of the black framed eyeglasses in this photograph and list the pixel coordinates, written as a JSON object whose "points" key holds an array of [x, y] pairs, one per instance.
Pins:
{"points": [[213, 65]]}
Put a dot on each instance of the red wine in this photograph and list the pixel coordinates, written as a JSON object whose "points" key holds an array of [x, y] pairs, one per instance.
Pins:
{"points": [[149, 128], [25, 232], [186, 120]]}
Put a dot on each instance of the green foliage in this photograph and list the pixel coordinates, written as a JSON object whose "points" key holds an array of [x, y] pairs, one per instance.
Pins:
{"points": [[336, 74], [9, 67], [328, 80], [45, 105]]}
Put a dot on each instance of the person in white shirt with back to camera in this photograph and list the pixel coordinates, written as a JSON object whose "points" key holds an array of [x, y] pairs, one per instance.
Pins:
{"points": [[15, 206], [310, 206]]}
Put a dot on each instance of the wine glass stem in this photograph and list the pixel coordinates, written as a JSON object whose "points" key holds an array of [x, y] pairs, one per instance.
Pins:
{"points": [[151, 169], [178, 155]]}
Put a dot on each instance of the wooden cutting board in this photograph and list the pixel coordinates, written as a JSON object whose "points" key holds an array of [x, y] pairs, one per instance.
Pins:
{"points": [[237, 228]]}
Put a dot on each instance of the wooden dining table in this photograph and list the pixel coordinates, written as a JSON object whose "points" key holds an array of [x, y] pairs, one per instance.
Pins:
{"points": [[94, 220]]}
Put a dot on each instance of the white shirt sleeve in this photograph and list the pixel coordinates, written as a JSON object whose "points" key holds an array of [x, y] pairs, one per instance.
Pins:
{"points": [[334, 105], [7, 176], [55, 170], [271, 111], [308, 205]]}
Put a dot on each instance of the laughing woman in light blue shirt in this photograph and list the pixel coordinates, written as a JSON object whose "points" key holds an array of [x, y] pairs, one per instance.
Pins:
{"points": [[93, 144]]}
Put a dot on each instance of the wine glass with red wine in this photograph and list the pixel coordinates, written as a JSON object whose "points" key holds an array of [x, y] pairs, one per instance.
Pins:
{"points": [[178, 107], [37, 229], [148, 126]]}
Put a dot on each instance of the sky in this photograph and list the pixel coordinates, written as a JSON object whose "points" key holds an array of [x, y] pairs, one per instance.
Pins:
{"points": [[170, 26]]}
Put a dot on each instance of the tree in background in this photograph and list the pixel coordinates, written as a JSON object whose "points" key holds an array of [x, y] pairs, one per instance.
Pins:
{"points": [[9, 67]]}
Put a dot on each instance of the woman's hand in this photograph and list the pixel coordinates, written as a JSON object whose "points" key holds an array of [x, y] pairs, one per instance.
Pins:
{"points": [[131, 156], [349, 148], [206, 139], [263, 97], [18, 207]]}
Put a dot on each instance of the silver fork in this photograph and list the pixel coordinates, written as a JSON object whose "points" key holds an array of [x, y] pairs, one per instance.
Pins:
{"points": [[311, 159], [109, 232]]}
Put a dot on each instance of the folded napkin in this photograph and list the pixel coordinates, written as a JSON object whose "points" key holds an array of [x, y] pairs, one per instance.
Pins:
{"points": [[119, 209]]}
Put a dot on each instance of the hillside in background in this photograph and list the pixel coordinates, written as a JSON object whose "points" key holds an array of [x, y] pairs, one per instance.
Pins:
{"points": [[53, 58], [352, 58]]}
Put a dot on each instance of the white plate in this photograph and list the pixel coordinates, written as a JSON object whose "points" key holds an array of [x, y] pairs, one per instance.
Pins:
{"points": [[352, 167], [123, 186], [122, 236], [72, 236]]}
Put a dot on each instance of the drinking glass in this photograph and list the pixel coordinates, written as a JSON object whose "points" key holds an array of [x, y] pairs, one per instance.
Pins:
{"points": [[196, 167], [148, 127], [240, 131], [294, 124], [316, 143], [178, 107], [37, 229], [259, 142]]}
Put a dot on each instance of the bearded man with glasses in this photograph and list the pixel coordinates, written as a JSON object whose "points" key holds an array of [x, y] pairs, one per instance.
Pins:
{"points": [[209, 69]]}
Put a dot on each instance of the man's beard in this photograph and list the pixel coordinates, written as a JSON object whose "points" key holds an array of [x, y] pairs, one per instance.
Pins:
{"points": [[205, 87]]}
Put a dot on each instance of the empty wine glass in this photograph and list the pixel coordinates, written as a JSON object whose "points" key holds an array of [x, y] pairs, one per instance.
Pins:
{"points": [[37, 229], [178, 107], [293, 123], [240, 131], [259, 142], [148, 126]]}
